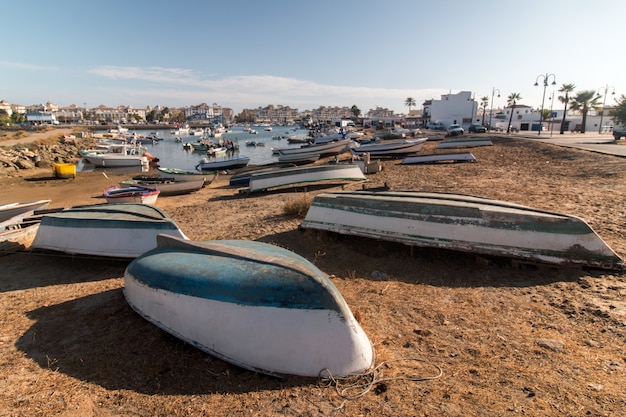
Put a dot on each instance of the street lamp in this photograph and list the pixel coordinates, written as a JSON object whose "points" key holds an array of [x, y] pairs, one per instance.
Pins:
{"points": [[606, 90], [546, 78], [551, 107], [493, 93]]}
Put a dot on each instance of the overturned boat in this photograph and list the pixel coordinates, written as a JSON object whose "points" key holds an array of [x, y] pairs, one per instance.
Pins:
{"points": [[115, 230], [464, 223], [302, 175], [252, 304]]}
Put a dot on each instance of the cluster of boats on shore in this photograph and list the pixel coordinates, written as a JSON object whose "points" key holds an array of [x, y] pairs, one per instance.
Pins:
{"points": [[268, 309]]}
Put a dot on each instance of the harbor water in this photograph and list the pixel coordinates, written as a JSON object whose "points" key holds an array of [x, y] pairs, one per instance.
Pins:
{"points": [[172, 153]]}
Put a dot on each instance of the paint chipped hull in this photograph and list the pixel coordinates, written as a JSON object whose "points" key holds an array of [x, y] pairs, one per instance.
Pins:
{"points": [[252, 304], [302, 175], [113, 230], [465, 223]]}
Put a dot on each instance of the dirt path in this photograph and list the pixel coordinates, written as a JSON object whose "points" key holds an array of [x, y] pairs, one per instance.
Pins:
{"points": [[36, 136]]}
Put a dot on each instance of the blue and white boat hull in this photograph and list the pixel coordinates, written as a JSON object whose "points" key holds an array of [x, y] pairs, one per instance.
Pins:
{"points": [[252, 304]]}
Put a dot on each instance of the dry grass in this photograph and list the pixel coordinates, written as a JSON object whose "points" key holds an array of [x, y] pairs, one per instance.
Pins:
{"points": [[298, 206]]}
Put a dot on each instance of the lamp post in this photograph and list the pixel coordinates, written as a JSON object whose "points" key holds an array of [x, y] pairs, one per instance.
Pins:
{"points": [[546, 78], [606, 90], [493, 93], [551, 106]]}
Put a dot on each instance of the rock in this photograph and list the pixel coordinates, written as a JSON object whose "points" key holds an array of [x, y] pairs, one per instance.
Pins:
{"points": [[551, 344]]}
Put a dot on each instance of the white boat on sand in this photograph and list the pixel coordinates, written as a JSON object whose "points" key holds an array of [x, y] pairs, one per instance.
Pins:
{"points": [[166, 186], [464, 142], [439, 158], [464, 223], [115, 230], [306, 174], [390, 148], [255, 305], [18, 232], [10, 210], [131, 194], [223, 163]]}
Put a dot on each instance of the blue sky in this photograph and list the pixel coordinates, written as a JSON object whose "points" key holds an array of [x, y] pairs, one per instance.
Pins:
{"points": [[247, 54]]}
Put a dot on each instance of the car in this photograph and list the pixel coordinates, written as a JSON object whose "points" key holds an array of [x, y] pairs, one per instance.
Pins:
{"points": [[454, 130], [477, 129]]}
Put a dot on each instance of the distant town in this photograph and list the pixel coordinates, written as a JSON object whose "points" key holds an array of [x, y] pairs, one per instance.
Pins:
{"points": [[460, 108]]}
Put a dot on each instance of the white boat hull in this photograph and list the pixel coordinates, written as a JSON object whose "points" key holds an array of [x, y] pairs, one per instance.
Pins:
{"points": [[241, 318], [391, 148], [10, 210], [120, 230], [465, 223], [183, 175], [300, 175], [331, 148]]}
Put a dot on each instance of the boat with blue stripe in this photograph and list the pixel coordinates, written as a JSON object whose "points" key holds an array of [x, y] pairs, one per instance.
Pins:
{"points": [[256, 305], [464, 223]]}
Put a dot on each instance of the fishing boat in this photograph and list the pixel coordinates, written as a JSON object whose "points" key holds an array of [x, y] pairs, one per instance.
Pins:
{"points": [[187, 175], [255, 305], [114, 230], [132, 194], [119, 156], [166, 186], [439, 158], [324, 149], [464, 223], [10, 210], [226, 163], [301, 175], [390, 148], [464, 143]]}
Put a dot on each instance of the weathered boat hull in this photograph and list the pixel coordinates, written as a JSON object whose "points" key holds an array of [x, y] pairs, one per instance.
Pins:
{"points": [[10, 210], [185, 175], [391, 148], [464, 143], [465, 223], [255, 305], [18, 232], [232, 163], [308, 174], [324, 149], [131, 194], [115, 230], [167, 188], [439, 158]]}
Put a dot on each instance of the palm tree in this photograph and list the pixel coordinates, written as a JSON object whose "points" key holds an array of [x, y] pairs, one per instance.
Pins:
{"points": [[565, 88], [511, 101], [583, 102], [484, 101], [355, 111], [409, 102]]}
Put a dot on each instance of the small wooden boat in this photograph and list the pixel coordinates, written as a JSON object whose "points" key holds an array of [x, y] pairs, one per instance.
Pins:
{"points": [[464, 223], [10, 210], [18, 232], [390, 148], [226, 163], [439, 158], [64, 170], [242, 178], [464, 143], [308, 174], [324, 149], [115, 230], [166, 186], [132, 194], [187, 175], [255, 305]]}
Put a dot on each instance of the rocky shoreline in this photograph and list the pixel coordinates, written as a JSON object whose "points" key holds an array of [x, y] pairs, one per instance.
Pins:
{"points": [[42, 153]]}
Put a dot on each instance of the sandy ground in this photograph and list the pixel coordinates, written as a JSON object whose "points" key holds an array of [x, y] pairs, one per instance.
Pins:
{"points": [[510, 339]]}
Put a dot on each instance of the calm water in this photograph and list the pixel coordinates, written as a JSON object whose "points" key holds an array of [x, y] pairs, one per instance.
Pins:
{"points": [[171, 154]]}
